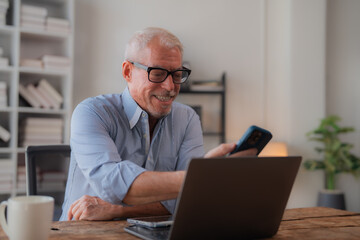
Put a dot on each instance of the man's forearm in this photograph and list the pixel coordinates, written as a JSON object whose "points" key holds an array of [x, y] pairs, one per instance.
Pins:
{"points": [[151, 187]]}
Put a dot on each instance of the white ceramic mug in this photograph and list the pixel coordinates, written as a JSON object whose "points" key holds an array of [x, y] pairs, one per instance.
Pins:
{"points": [[28, 217]]}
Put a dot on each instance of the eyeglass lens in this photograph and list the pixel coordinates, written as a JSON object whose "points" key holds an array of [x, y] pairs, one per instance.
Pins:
{"points": [[159, 75]]}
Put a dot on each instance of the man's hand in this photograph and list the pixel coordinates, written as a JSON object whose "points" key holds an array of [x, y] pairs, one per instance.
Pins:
{"points": [[93, 208], [225, 148]]}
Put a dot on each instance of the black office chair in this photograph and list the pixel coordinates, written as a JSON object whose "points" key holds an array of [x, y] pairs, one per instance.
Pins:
{"points": [[51, 157]]}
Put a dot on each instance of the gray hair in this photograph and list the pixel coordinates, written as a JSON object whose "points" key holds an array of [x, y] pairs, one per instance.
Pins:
{"points": [[143, 37]]}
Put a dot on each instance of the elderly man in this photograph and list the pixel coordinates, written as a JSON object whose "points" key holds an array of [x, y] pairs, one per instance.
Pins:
{"points": [[130, 150]]}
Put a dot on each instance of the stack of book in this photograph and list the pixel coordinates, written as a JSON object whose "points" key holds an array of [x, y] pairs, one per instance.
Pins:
{"points": [[33, 17], [31, 63], [51, 180], [4, 5], [21, 177], [4, 134], [57, 63], [57, 25], [42, 95], [3, 94], [4, 62], [41, 131], [6, 174]]}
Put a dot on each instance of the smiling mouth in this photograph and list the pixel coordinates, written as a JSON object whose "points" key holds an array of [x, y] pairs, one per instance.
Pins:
{"points": [[164, 98]]}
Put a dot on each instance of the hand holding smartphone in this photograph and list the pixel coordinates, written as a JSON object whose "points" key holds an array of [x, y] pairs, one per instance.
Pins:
{"points": [[254, 137]]}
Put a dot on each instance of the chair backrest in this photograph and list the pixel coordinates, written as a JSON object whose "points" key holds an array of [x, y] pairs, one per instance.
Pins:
{"points": [[33, 153]]}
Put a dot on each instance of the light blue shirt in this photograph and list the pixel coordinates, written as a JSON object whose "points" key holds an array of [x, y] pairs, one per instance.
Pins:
{"points": [[110, 146]]}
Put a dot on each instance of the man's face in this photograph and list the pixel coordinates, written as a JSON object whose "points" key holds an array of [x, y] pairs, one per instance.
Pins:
{"points": [[155, 98]]}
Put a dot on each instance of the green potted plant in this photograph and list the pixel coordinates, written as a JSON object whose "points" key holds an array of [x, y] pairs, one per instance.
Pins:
{"points": [[336, 158]]}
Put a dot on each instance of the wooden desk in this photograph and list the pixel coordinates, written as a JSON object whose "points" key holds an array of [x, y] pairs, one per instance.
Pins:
{"points": [[299, 223]]}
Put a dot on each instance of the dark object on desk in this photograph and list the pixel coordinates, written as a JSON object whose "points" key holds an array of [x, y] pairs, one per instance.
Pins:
{"points": [[332, 199], [50, 154], [231, 198]]}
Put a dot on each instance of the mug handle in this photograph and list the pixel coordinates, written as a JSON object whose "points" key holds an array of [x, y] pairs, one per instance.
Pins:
{"points": [[3, 222]]}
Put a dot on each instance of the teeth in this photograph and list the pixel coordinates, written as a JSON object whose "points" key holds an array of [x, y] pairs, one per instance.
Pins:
{"points": [[163, 98]]}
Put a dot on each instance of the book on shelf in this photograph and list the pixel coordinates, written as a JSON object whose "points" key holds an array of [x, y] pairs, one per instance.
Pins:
{"points": [[57, 63], [58, 25], [28, 97], [33, 10], [39, 129], [51, 132], [56, 29], [6, 177], [6, 166], [43, 121], [40, 20], [56, 59], [43, 101], [43, 83], [43, 95], [4, 5], [6, 186], [4, 62], [58, 22], [33, 17], [33, 26], [3, 94], [6, 174], [49, 98], [4, 134], [33, 63], [37, 137]]}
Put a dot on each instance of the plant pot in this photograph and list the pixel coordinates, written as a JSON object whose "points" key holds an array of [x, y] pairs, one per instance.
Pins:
{"points": [[332, 199]]}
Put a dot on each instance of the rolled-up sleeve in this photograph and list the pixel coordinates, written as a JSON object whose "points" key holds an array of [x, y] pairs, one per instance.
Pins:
{"points": [[97, 157]]}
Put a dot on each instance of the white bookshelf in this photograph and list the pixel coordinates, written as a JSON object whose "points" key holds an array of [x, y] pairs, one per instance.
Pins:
{"points": [[17, 43]]}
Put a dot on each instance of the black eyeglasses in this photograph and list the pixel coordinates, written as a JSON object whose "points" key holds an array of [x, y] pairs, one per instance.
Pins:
{"points": [[158, 75]]}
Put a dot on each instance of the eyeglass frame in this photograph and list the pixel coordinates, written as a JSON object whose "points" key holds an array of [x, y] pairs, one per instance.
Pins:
{"points": [[148, 69]]}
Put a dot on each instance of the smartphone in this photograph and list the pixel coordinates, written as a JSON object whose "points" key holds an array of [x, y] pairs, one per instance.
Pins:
{"points": [[152, 222], [254, 137]]}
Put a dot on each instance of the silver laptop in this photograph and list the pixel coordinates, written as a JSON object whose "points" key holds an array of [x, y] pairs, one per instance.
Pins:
{"points": [[229, 198]]}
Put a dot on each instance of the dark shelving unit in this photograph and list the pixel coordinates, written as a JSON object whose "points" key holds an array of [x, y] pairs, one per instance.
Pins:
{"points": [[222, 94]]}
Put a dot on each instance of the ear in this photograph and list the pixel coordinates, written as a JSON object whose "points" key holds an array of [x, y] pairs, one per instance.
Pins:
{"points": [[127, 70]]}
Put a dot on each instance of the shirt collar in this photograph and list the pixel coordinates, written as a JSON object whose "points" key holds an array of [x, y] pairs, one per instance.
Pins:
{"points": [[132, 109]]}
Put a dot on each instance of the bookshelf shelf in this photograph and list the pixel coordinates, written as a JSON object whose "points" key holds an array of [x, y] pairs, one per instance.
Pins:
{"points": [[20, 42]]}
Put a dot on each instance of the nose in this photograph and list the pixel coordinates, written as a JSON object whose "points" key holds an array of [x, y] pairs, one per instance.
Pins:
{"points": [[168, 84]]}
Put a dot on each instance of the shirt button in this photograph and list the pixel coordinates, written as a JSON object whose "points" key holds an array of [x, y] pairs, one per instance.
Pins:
{"points": [[144, 135], [143, 115]]}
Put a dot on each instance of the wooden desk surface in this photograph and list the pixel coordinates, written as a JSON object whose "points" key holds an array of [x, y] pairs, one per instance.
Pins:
{"points": [[299, 223]]}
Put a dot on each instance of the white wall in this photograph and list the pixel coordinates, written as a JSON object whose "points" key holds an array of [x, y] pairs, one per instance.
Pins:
{"points": [[272, 51], [343, 80]]}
